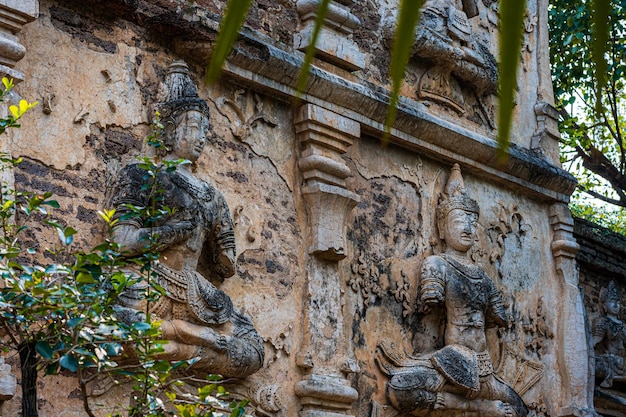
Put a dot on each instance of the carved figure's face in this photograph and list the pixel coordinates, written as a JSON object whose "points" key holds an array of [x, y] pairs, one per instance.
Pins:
{"points": [[612, 307], [190, 135], [460, 229]]}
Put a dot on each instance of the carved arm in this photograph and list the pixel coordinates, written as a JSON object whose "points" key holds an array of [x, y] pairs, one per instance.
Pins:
{"points": [[136, 240]]}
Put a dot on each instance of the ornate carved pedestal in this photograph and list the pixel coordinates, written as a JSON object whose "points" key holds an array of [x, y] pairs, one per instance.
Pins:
{"points": [[324, 136]]}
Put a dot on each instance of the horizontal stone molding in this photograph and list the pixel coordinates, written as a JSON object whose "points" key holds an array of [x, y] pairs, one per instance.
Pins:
{"points": [[254, 63], [263, 64], [16, 13]]}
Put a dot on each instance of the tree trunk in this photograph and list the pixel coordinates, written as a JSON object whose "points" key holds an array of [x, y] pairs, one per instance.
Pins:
{"points": [[28, 364]]}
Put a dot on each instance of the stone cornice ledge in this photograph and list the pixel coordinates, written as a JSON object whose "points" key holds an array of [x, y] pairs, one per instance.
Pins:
{"points": [[260, 64], [263, 64]]}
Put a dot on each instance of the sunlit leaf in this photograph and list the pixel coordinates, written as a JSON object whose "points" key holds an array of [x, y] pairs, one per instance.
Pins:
{"points": [[69, 362], [408, 16], [236, 11], [322, 10], [511, 33]]}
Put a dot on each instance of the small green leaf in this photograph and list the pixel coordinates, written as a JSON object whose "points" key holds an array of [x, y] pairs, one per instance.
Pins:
{"points": [[408, 16], [141, 326], [69, 362], [44, 349], [85, 278], [75, 321], [8, 84]]}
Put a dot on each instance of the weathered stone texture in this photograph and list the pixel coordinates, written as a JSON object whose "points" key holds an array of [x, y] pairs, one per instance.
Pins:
{"points": [[324, 283]]}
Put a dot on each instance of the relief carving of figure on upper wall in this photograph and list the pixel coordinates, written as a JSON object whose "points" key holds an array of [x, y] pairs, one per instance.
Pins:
{"points": [[609, 335], [460, 376], [445, 39], [196, 243]]}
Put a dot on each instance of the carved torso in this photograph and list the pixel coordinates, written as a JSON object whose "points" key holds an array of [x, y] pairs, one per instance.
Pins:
{"points": [[612, 335], [189, 199], [469, 296]]}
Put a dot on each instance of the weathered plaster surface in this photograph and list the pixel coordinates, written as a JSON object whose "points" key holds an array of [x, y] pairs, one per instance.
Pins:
{"points": [[96, 72]]}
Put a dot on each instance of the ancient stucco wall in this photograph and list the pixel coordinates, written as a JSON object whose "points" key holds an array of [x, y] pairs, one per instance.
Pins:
{"points": [[95, 68], [601, 260]]}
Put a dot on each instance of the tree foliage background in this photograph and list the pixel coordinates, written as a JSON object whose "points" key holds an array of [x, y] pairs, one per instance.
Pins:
{"points": [[593, 121]]}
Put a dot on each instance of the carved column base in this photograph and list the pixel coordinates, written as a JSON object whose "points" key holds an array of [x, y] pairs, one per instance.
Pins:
{"points": [[325, 396], [330, 206]]}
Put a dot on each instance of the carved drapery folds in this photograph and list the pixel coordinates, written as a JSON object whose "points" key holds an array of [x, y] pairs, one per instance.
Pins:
{"points": [[14, 14], [333, 44], [324, 136]]}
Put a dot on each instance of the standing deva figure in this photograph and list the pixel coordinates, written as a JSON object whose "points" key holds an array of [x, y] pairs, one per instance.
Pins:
{"points": [[609, 335], [460, 376], [198, 320]]}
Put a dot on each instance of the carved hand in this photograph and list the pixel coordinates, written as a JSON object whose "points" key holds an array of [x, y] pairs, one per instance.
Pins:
{"points": [[214, 340], [172, 233], [427, 305], [226, 264]]}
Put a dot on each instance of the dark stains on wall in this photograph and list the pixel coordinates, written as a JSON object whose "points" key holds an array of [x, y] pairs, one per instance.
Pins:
{"points": [[67, 187], [368, 38], [82, 29], [386, 221], [276, 18]]}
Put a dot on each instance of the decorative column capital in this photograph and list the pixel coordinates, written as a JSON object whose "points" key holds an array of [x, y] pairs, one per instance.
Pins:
{"points": [[325, 136], [14, 14], [547, 135], [563, 242]]}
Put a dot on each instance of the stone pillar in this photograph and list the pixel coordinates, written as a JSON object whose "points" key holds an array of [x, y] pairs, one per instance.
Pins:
{"points": [[574, 360], [14, 14], [333, 44], [547, 135], [324, 136]]}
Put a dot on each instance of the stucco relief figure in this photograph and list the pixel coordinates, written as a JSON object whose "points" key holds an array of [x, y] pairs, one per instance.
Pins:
{"points": [[460, 376], [198, 319], [609, 335], [445, 38]]}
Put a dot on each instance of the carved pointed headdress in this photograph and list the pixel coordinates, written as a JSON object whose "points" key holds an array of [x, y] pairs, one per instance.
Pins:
{"points": [[454, 197], [179, 94], [610, 293]]}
